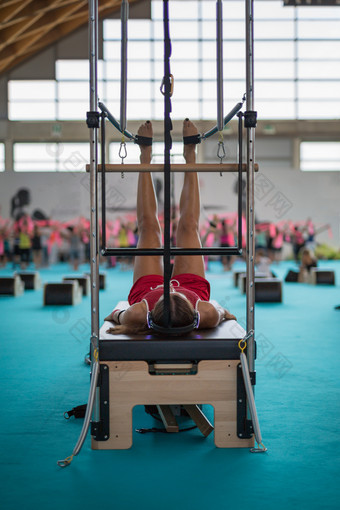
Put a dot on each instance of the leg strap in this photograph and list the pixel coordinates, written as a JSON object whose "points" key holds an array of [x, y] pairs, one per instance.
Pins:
{"points": [[143, 140], [188, 140]]}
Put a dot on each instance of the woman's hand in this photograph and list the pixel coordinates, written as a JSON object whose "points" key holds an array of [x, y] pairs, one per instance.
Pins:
{"points": [[228, 316], [114, 316]]}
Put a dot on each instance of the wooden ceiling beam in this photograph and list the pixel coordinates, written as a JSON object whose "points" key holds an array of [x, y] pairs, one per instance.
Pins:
{"points": [[40, 6], [11, 10], [58, 16], [23, 43], [51, 20]]}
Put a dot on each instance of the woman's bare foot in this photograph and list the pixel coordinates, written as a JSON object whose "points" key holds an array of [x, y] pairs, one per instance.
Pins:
{"points": [[145, 150], [189, 151]]}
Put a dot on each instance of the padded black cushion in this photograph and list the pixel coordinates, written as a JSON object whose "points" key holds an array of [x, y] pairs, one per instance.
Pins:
{"points": [[197, 345]]}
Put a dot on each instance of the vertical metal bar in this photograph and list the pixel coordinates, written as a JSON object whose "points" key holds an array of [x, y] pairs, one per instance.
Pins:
{"points": [[250, 182], [94, 245], [219, 61], [103, 176], [124, 15], [240, 182]]}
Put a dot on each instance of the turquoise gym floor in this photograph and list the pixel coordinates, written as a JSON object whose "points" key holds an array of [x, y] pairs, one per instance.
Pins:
{"points": [[297, 396]]}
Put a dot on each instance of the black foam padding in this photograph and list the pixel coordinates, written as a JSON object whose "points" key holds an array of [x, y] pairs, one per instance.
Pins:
{"points": [[102, 280], [167, 350], [292, 276], [325, 277], [236, 275], [82, 280], [198, 345], [58, 294], [268, 290], [28, 279], [7, 285]]}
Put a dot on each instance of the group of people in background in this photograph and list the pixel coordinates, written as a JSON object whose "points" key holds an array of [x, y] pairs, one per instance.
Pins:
{"points": [[46, 242], [43, 242]]}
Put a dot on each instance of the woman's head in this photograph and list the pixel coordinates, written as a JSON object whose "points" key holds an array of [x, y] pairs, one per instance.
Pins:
{"points": [[307, 255], [182, 312]]}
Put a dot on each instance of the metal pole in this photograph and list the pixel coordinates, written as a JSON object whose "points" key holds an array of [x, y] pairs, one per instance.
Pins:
{"points": [[94, 242], [250, 251], [219, 60], [124, 15]]}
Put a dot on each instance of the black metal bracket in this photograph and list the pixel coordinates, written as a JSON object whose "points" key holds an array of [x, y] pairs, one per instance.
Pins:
{"points": [[100, 430], [244, 425], [92, 119], [250, 119]]}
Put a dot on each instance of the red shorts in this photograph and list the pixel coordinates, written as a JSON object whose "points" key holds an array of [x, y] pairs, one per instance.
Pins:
{"points": [[193, 282]]}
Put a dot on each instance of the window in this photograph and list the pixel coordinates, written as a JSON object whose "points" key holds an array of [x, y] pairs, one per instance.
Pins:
{"points": [[296, 68], [320, 156], [2, 157], [50, 157]]}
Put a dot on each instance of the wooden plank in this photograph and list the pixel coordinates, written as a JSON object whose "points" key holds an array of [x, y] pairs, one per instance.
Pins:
{"points": [[199, 418], [168, 419], [159, 167]]}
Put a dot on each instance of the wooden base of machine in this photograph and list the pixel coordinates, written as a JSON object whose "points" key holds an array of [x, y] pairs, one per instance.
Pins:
{"points": [[213, 382]]}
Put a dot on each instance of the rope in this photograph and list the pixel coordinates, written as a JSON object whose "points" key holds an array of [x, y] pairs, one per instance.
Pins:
{"points": [[250, 395], [168, 90], [87, 419]]}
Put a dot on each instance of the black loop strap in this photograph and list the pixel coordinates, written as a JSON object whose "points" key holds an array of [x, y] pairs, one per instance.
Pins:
{"points": [[188, 140], [143, 140], [77, 412]]}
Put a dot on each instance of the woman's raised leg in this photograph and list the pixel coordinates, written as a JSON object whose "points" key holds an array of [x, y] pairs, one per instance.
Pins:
{"points": [[149, 230], [190, 205]]}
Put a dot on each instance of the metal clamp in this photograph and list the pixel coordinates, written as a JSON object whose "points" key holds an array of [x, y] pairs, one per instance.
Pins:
{"points": [[250, 119], [172, 82], [92, 119]]}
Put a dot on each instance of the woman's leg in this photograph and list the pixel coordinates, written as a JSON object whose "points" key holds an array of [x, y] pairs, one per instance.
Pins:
{"points": [[190, 205], [149, 230]]}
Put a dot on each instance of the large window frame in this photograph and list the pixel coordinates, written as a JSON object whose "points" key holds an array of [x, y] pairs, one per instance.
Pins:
{"points": [[50, 156], [320, 155], [297, 62]]}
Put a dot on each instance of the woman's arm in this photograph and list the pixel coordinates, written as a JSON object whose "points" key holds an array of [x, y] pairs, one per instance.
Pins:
{"points": [[211, 315], [135, 314]]}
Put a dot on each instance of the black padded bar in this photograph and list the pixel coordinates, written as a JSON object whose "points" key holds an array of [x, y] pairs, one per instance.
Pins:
{"points": [[103, 176], [155, 348], [227, 250], [240, 161]]}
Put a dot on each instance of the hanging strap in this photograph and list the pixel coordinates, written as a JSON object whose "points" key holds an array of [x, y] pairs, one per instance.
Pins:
{"points": [[250, 395], [168, 89]]}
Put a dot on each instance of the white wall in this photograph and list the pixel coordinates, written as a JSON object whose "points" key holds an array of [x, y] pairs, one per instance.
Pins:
{"points": [[282, 193]]}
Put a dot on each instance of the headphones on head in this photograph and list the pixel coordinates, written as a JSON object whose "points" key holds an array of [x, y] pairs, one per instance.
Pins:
{"points": [[181, 330]]}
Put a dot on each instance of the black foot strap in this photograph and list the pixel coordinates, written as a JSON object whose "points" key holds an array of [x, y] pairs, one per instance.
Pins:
{"points": [[188, 140], [77, 412], [143, 140]]}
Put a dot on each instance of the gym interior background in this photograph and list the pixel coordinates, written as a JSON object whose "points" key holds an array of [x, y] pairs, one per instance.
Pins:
{"points": [[44, 147]]}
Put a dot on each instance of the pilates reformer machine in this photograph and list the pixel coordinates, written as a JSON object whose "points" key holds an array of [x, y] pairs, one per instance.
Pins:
{"points": [[215, 366]]}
